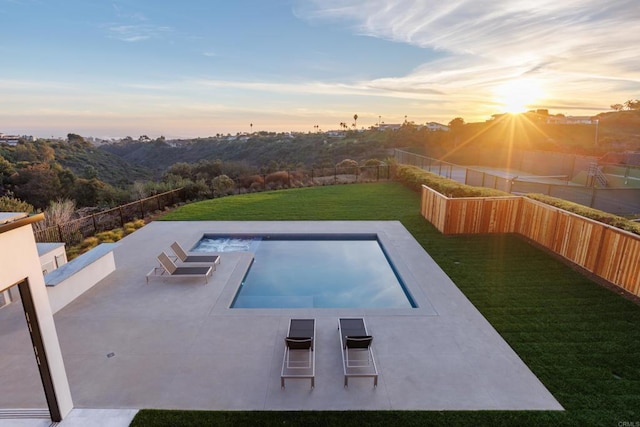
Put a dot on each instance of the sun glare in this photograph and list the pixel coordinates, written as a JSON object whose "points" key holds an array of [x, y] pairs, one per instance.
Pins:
{"points": [[516, 96]]}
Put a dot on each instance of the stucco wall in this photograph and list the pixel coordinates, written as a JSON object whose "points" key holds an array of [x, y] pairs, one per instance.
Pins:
{"points": [[19, 261]]}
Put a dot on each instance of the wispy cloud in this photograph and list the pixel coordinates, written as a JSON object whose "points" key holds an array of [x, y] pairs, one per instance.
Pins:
{"points": [[589, 42], [134, 26], [382, 88], [122, 14], [137, 33]]}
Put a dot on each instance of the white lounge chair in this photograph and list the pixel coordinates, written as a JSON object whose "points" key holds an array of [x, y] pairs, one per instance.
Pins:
{"points": [[357, 356], [169, 269], [299, 359], [185, 257]]}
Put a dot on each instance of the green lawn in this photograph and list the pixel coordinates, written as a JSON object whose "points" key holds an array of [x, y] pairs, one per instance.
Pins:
{"points": [[581, 340]]}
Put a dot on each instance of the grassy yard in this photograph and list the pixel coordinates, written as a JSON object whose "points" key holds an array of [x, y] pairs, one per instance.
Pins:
{"points": [[581, 340]]}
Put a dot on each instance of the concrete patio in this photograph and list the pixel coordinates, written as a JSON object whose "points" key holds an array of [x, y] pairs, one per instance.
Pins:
{"points": [[176, 344]]}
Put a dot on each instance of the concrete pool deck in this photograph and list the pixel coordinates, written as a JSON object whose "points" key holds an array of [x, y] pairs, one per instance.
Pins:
{"points": [[175, 344]]}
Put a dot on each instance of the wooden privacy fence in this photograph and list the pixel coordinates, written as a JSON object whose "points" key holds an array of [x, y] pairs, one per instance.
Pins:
{"points": [[73, 232], [606, 251]]}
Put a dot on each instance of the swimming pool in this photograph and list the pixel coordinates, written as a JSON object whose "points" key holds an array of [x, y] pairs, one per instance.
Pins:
{"points": [[314, 271]]}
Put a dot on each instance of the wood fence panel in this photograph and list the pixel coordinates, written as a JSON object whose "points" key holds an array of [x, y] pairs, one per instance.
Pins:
{"points": [[619, 262], [464, 216], [500, 215], [578, 239], [482, 215], [610, 253], [538, 222], [434, 208], [629, 270]]}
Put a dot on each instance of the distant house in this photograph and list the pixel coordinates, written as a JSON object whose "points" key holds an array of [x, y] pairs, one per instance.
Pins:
{"points": [[435, 126], [569, 120], [9, 139], [393, 127], [335, 133]]}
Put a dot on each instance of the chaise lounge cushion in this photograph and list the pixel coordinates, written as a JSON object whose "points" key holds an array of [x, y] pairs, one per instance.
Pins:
{"points": [[299, 343], [363, 341]]}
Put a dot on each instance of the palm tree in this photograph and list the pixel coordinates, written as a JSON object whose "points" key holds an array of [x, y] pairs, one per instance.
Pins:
{"points": [[251, 125], [355, 121]]}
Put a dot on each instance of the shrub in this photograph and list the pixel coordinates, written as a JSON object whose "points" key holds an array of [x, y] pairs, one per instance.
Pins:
{"points": [[252, 182], [222, 185], [11, 204], [347, 166], [110, 236], [73, 252], [138, 223], [58, 212], [587, 212], [89, 242], [415, 177], [277, 180], [373, 162]]}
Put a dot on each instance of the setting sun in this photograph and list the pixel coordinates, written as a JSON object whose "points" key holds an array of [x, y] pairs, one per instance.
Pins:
{"points": [[517, 96]]}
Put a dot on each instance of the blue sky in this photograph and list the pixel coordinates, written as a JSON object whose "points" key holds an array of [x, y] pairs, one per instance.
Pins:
{"points": [[198, 68]]}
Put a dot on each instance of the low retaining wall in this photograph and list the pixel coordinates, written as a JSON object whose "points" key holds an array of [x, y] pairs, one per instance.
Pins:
{"points": [[74, 278], [608, 252]]}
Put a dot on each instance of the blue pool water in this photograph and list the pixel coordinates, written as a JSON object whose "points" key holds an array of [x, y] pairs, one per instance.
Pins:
{"points": [[332, 271]]}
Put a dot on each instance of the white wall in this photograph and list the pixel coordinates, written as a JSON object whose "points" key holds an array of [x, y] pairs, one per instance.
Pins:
{"points": [[53, 259], [19, 261], [78, 283]]}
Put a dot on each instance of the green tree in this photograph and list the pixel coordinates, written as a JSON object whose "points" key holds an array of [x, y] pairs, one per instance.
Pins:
{"points": [[25, 153], [74, 138], [632, 104], [222, 185], [37, 184], [6, 169], [456, 123], [86, 192], [206, 169], [45, 152], [11, 204], [67, 180], [181, 169], [89, 172]]}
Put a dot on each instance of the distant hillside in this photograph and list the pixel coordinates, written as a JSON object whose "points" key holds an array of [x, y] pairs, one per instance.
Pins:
{"points": [[257, 150], [477, 142], [83, 159], [467, 144]]}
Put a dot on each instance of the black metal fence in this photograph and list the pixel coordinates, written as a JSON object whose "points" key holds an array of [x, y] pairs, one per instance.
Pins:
{"points": [[619, 201], [75, 231]]}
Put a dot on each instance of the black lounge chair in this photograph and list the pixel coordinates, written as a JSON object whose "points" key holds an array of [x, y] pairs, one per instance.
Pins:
{"points": [[299, 359], [357, 356], [169, 269], [185, 257]]}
